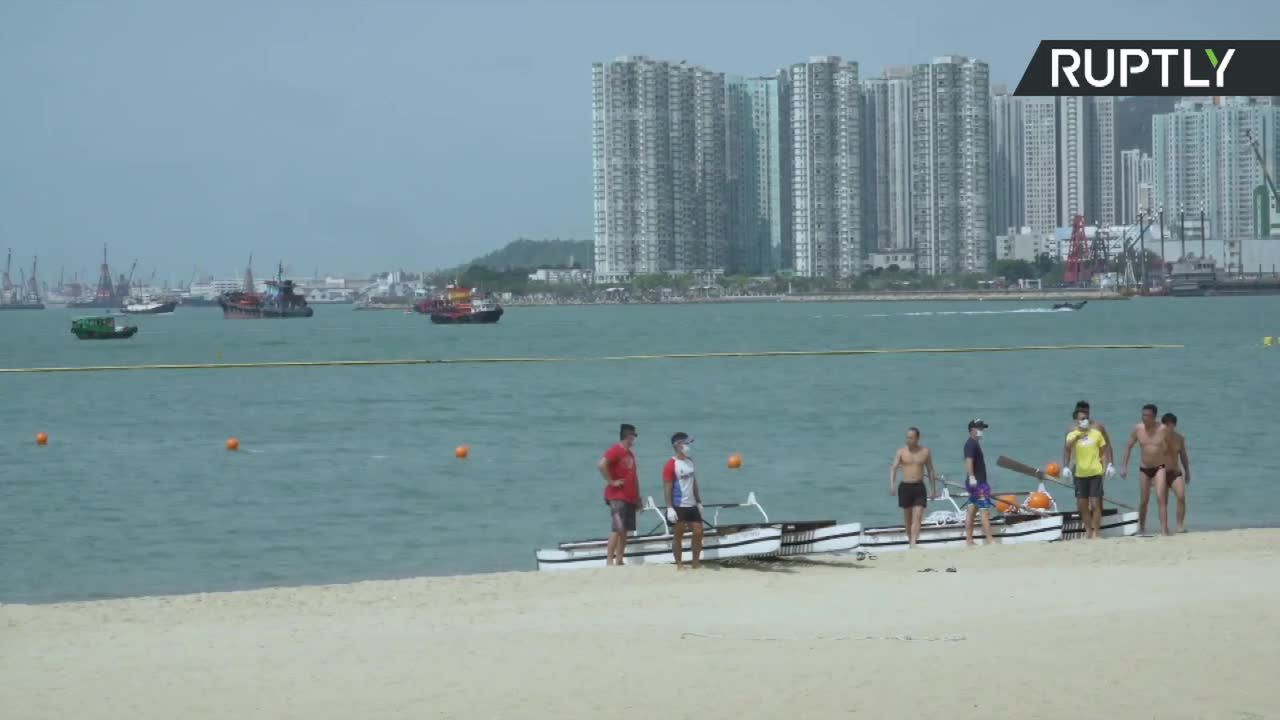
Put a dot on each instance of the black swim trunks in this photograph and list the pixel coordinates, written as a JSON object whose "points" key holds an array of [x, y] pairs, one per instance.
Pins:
{"points": [[912, 494], [1150, 472], [689, 514], [1088, 487]]}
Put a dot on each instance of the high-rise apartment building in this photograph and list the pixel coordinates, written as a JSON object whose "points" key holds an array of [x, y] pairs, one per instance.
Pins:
{"points": [[951, 165], [1087, 179], [1040, 164], [659, 168], [887, 158], [1136, 189], [759, 183], [826, 173], [1007, 185], [1204, 160]]}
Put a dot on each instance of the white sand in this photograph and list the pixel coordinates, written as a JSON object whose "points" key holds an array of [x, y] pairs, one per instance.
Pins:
{"points": [[1183, 627]]}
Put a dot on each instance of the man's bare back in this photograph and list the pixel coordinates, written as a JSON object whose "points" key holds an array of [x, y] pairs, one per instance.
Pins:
{"points": [[913, 463]]}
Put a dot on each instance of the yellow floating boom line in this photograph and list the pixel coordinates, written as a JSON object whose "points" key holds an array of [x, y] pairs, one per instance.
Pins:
{"points": [[664, 356]]}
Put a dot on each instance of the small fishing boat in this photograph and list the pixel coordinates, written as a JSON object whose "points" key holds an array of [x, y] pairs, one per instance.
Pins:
{"points": [[148, 306], [461, 306], [280, 300], [101, 328], [1115, 523], [766, 539], [945, 528], [799, 537], [1070, 305]]}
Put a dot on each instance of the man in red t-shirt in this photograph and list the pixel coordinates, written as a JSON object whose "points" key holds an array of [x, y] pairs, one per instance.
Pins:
{"points": [[621, 491]]}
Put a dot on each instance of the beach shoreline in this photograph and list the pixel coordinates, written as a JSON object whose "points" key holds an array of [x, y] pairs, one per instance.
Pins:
{"points": [[1101, 628]]}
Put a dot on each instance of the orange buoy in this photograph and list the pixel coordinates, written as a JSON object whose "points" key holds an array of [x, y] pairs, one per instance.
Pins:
{"points": [[735, 461], [461, 452], [1052, 469], [42, 438], [1040, 501], [233, 444], [1007, 503]]}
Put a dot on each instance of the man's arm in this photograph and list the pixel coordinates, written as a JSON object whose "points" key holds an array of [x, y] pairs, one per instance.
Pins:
{"points": [[1106, 446], [1128, 451], [1186, 462], [1066, 449], [893, 470], [603, 467], [933, 478], [669, 481]]}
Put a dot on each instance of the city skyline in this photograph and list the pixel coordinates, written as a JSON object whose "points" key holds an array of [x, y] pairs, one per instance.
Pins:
{"points": [[362, 137]]}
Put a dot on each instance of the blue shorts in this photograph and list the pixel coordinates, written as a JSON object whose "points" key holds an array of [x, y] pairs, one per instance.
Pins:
{"points": [[980, 496]]}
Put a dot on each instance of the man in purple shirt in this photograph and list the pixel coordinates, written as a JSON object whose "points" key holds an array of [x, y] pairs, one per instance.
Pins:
{"points": [[979, 490]]}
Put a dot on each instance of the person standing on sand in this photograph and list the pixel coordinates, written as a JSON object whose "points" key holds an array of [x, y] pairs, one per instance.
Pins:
{"points": [[914, 459], [1177, 472], [1107, 457], [621, 492], [1085, 446], [979, 490], [684, 500], [1149, 435]]}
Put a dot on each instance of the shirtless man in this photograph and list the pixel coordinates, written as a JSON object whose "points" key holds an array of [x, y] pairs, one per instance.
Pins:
{"points": [[1150, 436], [1177, 470], [914, 459]]}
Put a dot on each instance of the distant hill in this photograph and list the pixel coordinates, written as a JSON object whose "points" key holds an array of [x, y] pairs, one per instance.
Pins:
{"points": [[1133, 120], [529, 254]]}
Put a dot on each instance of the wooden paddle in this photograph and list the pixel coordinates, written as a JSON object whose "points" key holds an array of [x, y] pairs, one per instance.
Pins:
{"points": [[1014, 465], [996, 500]]}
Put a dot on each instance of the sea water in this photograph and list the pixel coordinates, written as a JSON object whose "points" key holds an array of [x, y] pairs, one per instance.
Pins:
{"points": [[348, 473]]}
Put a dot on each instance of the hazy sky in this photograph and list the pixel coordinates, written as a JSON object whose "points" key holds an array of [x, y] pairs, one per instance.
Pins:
{"points": [[355, 136]]}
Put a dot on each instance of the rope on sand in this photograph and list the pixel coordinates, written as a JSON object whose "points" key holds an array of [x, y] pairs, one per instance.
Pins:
{"points": [[667, 356], [908, 638]]}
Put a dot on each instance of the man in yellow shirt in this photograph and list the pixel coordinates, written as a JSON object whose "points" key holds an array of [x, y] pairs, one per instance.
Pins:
{"points": [[1083, 455]]}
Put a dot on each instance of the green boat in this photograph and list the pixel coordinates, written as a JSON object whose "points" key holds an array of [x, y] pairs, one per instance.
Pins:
{"points": [[101, 328]]}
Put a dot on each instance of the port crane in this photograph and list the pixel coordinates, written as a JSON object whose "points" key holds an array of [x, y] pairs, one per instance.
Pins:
{"points": [[1257, 153]]}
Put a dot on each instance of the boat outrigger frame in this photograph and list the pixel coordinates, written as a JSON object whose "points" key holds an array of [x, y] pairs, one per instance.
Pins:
{"points": [[720, 542]]}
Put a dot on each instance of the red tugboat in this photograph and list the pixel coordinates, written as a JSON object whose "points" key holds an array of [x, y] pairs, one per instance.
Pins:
{"points": [[279, 301], [461, 306]]}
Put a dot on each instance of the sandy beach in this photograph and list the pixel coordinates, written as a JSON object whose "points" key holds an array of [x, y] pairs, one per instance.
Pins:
{"points": [[1181, 627]]}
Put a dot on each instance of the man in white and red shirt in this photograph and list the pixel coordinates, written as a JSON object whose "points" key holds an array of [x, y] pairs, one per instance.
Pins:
{"points": [[621, 492], [684, 502]]}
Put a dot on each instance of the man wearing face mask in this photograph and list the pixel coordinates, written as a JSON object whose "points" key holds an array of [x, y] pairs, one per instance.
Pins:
{"points": [[1107, 458], [1085, 446], [979, 490], [684, 500]]}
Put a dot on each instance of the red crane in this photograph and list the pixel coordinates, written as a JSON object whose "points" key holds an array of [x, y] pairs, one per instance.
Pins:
{"points": [[1079, 268]]}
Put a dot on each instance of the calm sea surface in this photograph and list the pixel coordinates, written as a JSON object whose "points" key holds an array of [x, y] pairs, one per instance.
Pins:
{"points": [[349, 473]]}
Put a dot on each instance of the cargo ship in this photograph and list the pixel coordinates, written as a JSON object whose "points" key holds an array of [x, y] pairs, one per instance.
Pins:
{"points": [[1199, 277], [461, 306], [278, 301]]}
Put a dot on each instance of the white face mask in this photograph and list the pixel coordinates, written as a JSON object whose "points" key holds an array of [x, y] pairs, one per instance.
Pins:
{"points": [[1084, 423], [687, 449]]}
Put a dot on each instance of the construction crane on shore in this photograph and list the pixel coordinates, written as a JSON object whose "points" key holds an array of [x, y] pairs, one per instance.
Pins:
{"points": [[1257, 153]]}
